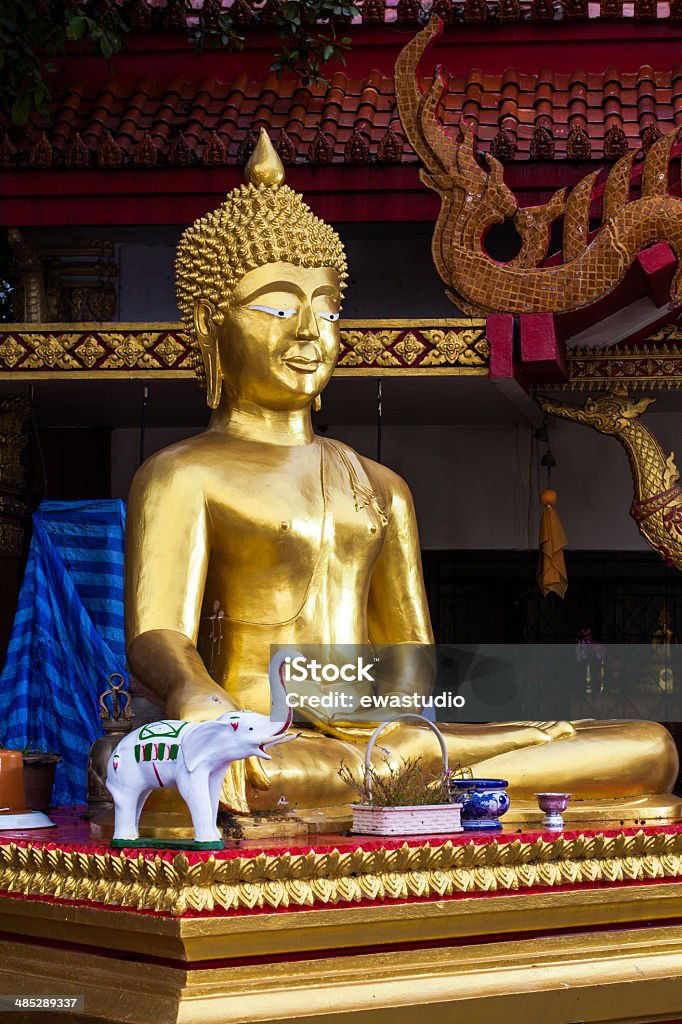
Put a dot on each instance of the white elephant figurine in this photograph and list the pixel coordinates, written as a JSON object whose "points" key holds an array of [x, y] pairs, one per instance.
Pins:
{"points": [[191, 757]]}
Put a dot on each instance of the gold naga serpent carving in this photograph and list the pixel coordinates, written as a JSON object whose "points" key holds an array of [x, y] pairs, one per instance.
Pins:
{"points": [[474, 198], [657, 504]]}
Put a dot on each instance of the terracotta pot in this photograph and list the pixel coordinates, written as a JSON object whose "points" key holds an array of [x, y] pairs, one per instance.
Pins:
{"points": [[39, 769], [12, 795]]}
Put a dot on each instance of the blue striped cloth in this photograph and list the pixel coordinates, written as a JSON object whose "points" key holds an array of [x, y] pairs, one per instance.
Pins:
{"points": [[67, 636]]}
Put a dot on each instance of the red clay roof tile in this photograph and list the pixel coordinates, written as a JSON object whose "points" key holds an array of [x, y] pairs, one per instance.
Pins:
{"points": [[215, 151], [41, 153], [173, 15], [7, 154], [77, 153], [146, 123], [109, 153]]}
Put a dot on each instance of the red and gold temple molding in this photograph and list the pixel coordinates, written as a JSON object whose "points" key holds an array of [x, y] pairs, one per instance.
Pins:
{"points": [[653, 365], [30, 351], [457, 346], [335, 871]]}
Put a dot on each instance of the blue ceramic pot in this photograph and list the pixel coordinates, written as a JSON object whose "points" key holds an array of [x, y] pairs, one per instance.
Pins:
{"points": [[484, 801]]}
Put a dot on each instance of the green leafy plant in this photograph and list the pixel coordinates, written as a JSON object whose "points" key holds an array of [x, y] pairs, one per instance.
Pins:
{"points": [[409, 784], [32, 32], [307, 45]]}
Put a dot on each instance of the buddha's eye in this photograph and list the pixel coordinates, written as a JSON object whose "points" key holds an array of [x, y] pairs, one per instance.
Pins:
{"points": [[331, 317], [275, 311]]}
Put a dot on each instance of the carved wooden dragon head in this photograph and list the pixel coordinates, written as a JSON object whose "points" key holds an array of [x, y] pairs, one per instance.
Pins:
{"points": [[474, 197], [612, 412]]}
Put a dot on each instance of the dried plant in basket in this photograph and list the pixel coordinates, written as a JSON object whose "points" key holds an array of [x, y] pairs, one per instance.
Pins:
{"points": [[409, 784]]}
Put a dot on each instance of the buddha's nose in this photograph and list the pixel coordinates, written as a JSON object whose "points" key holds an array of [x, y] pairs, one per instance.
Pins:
{"points": [[306, 327]]}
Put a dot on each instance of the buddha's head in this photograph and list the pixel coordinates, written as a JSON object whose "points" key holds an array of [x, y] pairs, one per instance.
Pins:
{"points": [[259, 284]]}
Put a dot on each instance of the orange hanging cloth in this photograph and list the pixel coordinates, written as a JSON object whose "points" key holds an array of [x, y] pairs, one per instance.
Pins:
{"points": [[551, 575]]}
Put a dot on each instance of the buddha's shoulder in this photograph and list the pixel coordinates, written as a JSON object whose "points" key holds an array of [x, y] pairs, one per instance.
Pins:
{"points": [[383, 479], [179, 463]]}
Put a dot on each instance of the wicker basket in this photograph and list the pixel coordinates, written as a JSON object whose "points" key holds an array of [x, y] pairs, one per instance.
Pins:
{"points": [[428, 819]]}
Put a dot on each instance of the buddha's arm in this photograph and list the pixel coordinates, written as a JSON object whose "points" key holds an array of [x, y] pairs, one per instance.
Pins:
{"points": [[397, 609], [166, 558]]}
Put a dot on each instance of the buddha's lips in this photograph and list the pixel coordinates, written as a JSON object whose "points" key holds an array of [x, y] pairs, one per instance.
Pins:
{"points": [[302, 364]]}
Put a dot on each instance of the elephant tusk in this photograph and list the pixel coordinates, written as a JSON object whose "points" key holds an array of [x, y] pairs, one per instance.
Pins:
{"points": [[280, 739]]}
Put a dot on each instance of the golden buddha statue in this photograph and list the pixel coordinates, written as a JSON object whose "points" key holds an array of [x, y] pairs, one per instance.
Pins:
{"points": [[258, 532]]}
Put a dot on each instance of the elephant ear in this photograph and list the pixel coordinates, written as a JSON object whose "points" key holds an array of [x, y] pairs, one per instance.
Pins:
{"points": [[204, 742]]}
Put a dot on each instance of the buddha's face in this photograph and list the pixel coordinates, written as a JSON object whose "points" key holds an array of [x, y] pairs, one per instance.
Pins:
{"points": [[279, 338]]}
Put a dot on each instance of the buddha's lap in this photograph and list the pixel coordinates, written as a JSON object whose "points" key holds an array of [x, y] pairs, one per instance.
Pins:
{"points": [[599, 758]]}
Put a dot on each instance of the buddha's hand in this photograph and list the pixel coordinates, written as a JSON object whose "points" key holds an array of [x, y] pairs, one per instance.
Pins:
{"points": [[199, 702]]}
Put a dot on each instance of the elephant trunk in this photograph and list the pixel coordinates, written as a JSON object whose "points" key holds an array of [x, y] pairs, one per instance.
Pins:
{"points": [[281, 711]]}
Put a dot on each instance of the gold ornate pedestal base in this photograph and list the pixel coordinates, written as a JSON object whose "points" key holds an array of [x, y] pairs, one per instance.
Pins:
{"points": [[527, 929], [302, 968]]}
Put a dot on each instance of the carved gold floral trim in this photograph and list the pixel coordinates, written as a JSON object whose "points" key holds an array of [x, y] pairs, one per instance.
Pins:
{"points": [[99, 348], [458, 343], [654, 364], [467, 347], [176, 886], [446, 346]]}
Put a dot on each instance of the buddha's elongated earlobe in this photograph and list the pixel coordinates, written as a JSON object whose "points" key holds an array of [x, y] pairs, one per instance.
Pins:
{"points": [[206, 321], [214, 374]]}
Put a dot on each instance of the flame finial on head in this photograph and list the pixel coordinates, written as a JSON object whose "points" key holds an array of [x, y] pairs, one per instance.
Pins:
{"points": [[264, 167]]}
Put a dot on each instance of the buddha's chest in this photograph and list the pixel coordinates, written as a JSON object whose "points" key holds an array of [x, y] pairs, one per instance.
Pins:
{"points": [[273, 526]]}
